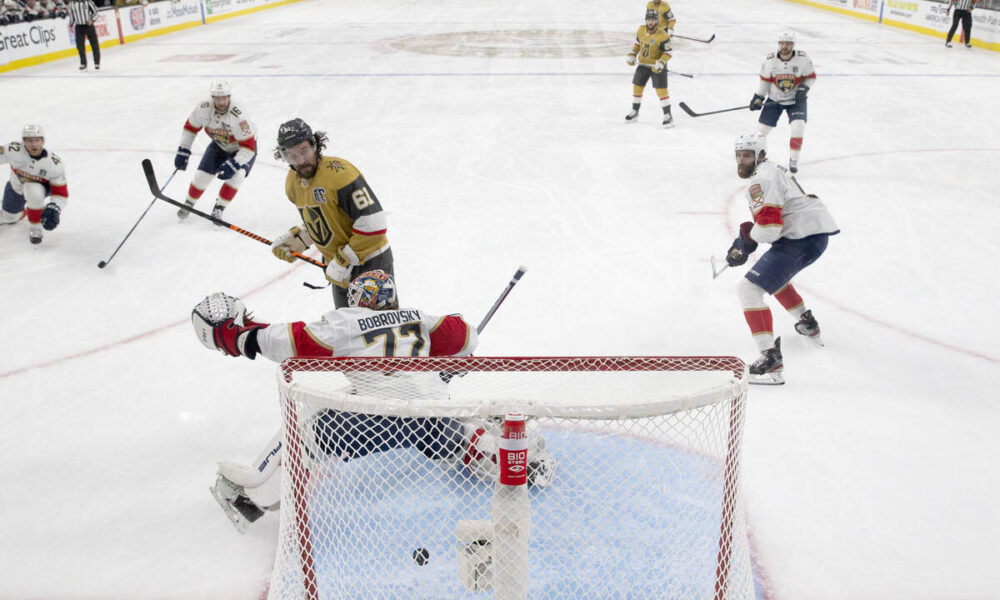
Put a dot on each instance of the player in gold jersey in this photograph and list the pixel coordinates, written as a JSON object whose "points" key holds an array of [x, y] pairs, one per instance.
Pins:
{"points": [[340, 214], [667, 19], [652, 50]]}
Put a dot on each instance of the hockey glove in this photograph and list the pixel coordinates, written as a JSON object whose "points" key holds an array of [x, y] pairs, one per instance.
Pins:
{"points": [[757, 103], [659, 66], [338, 270], [800, 94], [228, 169], [221, 323], [181, 160], [743, 246], [296, 239], [630, 60], [50, 216]]}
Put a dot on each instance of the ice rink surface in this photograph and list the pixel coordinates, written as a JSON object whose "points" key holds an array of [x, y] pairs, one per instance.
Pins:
{"points": [[871, 475]]}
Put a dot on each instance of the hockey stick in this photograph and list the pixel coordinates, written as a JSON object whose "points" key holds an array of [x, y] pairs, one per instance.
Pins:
{"points": [[669, 71], [716, 271], [684, 37], [688, 110], [104, 263], [147, 167], [446, 376], [521, 270]]}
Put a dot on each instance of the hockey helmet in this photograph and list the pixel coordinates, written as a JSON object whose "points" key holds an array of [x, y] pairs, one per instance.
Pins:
{"points": [[786, 36], [373, 289], [32, 130], [751, 141], [220, 87], [652, 14], [294, 132]]}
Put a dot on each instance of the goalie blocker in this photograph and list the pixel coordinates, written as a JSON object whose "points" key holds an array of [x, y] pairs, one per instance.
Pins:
{"points": [[372, 325]]}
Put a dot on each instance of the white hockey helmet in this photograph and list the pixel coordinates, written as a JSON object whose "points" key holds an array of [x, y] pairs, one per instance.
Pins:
{"points": [[786, 36], [220, 87], [32, 130], [751, 141]]}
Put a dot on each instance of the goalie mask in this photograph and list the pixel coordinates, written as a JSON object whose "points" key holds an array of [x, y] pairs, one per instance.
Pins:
{"points": [[373, 289]]}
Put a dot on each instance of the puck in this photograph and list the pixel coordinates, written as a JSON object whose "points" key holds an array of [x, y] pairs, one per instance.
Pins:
{"points": [[421, 556]]}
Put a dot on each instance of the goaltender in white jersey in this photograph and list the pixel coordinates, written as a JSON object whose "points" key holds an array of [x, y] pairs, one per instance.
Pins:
{"points": [[230, 156], [35, 174]]}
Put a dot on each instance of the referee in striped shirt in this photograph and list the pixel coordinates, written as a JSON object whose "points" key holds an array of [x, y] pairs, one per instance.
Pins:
{"points": [[963, 12], [82, 14]]}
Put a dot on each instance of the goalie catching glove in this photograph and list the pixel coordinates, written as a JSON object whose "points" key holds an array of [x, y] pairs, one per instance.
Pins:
{"points": [[296, 239], [338, 269], [222, 323]]}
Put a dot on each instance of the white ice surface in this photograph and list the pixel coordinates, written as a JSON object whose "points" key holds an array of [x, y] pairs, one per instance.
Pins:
{"points": [[871, 474]]}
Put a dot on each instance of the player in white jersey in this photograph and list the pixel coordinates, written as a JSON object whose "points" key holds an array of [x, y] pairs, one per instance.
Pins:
{"points": [[798, 227], [230, 156], [785, 78], [374, 325], [35, 174]]}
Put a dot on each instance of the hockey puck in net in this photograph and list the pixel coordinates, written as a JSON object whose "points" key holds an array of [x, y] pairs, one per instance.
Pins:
{"points": [[421, 556]]}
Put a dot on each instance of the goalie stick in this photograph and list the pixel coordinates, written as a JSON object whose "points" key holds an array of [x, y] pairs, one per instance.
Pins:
{"points": [[446, 376], [684, 37], [147, 167], [688, 110], [104, 263]]}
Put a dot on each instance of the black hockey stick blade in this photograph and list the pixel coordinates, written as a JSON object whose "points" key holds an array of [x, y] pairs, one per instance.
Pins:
{"points": [[147, 167], [690, 112], [104, 263], [684, 37]]}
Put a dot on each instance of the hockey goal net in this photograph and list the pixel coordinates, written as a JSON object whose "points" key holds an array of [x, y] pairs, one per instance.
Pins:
{"points": [[392, 483]]}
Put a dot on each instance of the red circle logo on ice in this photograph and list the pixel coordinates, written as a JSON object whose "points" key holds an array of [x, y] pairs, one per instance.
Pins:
{"points": [[518, 43], [138, 17]]}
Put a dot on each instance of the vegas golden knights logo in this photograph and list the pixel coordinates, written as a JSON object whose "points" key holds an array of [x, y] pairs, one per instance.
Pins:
{"points": [[316, 223]]}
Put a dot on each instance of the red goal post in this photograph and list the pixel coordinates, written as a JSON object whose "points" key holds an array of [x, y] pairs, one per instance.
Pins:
{"points": [[646, 491]]}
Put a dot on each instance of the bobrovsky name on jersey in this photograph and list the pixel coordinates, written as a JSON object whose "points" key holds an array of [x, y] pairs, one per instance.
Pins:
{"points": [[389, 319]]}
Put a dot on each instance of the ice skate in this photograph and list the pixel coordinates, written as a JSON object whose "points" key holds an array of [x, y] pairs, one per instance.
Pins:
{"points": [[632, 115], [793, 165], [217, 212], [808, 327], [237, 506], [182, 213], [668, 121], [483, 438], [767, 369], [35, 234]]}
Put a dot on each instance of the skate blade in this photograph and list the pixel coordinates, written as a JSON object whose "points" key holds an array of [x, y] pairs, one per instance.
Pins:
{"points": [[767, 379], [235, 517], [817, 340]]}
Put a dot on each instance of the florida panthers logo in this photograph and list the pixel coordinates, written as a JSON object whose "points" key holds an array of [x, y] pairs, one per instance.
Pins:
{"points": [[786, 83]]}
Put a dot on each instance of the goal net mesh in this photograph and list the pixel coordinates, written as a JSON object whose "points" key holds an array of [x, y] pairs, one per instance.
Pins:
{"points": [[390, 489]]}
